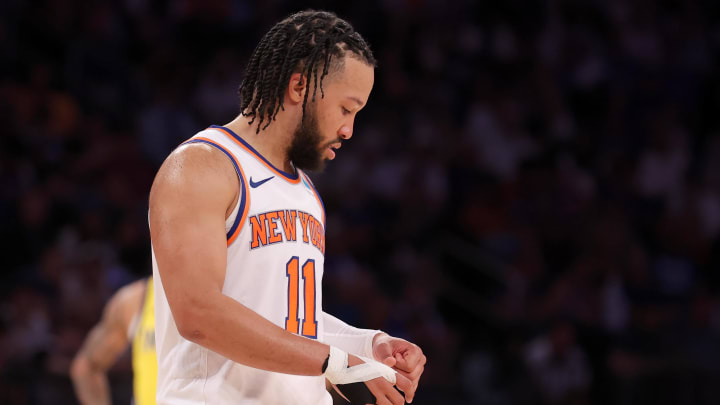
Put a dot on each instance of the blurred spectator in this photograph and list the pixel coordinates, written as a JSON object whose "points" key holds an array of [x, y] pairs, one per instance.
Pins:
{"points": [[559, 367]]}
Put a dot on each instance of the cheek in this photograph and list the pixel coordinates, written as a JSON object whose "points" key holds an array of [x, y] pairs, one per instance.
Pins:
{"points": [[329, 118], [330, 123], [323, 132]]}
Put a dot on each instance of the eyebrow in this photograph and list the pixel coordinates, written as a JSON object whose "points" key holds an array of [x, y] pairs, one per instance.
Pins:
{"points": [[357, 100]]}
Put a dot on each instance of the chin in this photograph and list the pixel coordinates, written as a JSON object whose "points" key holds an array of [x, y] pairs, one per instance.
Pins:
{"points": [[320, 167], [315, 167]]}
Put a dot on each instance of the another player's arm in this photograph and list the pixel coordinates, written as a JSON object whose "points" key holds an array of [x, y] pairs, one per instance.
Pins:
{"points": [[104, 344], [193, 193]]}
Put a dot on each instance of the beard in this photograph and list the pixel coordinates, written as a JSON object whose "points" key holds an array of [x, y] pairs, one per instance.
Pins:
{"points": [[306, 149]]}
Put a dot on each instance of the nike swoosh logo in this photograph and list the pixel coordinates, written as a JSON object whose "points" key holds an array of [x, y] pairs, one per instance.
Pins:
{"points": [[254, 184]]}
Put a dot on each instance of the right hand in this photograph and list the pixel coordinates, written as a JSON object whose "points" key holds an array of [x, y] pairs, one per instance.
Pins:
{"points": [[385, 393]]}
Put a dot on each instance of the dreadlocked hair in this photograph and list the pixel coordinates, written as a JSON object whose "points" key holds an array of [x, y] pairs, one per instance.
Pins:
{"points": [[306, 42]]}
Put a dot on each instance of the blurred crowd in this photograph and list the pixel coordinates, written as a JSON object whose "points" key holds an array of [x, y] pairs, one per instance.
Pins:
{"points": [[532, 194]]}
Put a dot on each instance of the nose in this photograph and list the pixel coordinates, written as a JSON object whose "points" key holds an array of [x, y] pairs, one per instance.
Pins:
{"points": [[345, 132]]}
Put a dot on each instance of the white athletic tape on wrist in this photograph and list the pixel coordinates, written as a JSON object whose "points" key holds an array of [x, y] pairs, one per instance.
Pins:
{"points": [[338, 372]]}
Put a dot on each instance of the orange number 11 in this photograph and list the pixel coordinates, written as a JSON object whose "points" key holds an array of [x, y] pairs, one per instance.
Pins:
{"points": [[292, 322]]}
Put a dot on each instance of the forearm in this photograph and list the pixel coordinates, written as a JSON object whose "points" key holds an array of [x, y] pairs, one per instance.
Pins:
{"points": [[91, 386], [348, 338], [229, 328]]}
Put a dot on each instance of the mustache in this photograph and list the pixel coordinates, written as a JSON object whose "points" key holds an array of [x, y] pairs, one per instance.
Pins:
{"points": [[339, 140]]}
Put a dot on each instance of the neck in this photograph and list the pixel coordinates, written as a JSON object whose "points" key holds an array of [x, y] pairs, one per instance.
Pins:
{"points": [[272, 142]]}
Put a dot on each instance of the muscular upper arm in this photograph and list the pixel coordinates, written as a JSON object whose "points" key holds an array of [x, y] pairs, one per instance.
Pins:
{"points": [[190, 198], [108, 339]]}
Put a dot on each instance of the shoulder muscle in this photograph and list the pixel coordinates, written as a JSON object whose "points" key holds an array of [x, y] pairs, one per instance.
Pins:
{"points": [[195, 174], [193, 193]]}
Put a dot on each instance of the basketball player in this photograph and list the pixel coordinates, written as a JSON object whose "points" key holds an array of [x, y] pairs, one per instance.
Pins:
{"points": [[128, 317], [238, 238]]}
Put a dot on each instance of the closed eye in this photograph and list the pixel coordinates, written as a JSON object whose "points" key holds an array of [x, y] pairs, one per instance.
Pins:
{"points": [[345, 111]]}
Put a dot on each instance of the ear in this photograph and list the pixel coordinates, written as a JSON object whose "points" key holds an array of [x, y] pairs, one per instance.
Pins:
{"points": [[296, 88]]}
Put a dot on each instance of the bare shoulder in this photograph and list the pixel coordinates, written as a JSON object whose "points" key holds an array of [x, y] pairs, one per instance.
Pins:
{"points": [[126, 302], [195, 164], [194, 173]]}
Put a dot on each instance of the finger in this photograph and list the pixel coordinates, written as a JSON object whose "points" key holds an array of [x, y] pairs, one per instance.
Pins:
{"points": [[389, 361], [395, 397], [383, 350], [413, 376], [410, 358], [409, 398], [403, 373], [383, 400], [383, 347], [410, 394], [405, 385]]}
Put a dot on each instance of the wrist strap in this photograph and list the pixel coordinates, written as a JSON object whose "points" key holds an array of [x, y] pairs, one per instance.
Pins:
{"points": [[338, 372], [325, 363]]}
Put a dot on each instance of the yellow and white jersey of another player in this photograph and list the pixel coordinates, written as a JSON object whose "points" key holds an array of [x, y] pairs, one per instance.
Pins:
{"points": [[275, 258], [144, 359], [128, 320]]}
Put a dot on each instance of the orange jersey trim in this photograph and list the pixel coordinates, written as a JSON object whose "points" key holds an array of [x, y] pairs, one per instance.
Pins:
{"points": [[243, 199], [292, 178]]}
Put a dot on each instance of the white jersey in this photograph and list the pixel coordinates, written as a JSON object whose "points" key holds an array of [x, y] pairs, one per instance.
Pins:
{"points": [[276, 244]]}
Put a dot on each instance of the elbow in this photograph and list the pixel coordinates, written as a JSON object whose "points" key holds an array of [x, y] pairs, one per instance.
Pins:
{"points": [[79, 368], [189, 320], [191, 333]]}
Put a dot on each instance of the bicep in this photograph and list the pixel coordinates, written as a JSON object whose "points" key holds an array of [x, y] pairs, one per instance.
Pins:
{"points": [[188, 203]]}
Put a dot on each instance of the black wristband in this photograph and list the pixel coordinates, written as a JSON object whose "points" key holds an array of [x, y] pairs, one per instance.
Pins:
{"points": [[325, 364], [358, 393]]}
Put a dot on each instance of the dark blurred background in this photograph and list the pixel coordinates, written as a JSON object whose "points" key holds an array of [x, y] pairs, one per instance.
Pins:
{"points": [[532, 194]]}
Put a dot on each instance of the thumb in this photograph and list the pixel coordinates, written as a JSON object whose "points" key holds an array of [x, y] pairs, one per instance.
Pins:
{"points": [[383, 353], [382, 350], [389, 361]]}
